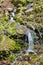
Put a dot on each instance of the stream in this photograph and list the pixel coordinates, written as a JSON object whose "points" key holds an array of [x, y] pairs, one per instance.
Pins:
{"points": [[12, 16], [29, 35], [31, 43]]}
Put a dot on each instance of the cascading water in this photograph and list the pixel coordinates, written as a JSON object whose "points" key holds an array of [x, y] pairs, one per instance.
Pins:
{"points": [[11, 19], [12, 16], [31, 43]]}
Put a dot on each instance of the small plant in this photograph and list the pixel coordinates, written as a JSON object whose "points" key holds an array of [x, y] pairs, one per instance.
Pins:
{"points": [[11, 58], [23, 1], [4, 54], [18, 47]]}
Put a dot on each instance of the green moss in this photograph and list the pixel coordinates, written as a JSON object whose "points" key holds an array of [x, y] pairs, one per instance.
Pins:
{"points": [[7, 44], [11, 58]]}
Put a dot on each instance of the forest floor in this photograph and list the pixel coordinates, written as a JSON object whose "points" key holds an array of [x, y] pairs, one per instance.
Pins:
{"points": [[30, 59]]}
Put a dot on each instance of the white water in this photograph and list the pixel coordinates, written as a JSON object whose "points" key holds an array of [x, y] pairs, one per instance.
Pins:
{"points": [[31, 43], [14, 10], [11, 19], [12, 16]]}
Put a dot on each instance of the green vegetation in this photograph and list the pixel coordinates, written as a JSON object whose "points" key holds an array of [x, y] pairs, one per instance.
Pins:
{"points": [[30, 14], [11, 58]]}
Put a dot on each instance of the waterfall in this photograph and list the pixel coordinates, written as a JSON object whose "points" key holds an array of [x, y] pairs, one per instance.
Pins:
{"points": [[31, 43], [11, 19], [12, 16]]}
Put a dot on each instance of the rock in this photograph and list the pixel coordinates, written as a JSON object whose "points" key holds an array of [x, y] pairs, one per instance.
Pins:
{"points": [[9, 9], [22, 29], [31, 9], [7, 5]]}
